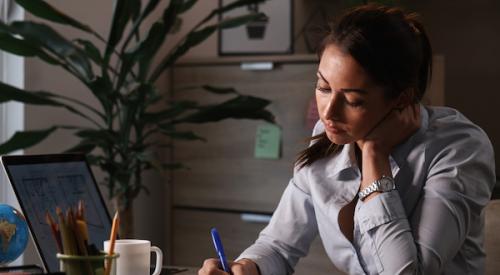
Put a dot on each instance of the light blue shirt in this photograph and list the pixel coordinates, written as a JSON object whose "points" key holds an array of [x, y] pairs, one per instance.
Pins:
{"points": [[433, 223]]}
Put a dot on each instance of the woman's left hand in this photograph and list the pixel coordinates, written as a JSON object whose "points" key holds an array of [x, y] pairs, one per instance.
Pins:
{"points": [[395, 128]]}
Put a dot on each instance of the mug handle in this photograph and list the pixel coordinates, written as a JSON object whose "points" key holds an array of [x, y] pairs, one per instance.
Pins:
{"points": [[159, 259]]}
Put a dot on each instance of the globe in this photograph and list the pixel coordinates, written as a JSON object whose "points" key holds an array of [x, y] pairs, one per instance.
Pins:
{"points": [[13, 234]]}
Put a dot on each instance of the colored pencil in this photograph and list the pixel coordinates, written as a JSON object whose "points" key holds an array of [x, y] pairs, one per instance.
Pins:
{"points": [[112, 239]]}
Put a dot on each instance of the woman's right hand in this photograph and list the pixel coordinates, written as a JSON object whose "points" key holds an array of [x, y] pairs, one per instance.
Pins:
{"points": [[241, 267]]}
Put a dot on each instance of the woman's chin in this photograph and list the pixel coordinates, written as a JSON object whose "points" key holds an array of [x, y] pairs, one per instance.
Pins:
{"points": [[340, 139]]}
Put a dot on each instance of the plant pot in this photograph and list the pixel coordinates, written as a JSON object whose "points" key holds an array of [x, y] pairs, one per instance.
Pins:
{"points": [[256, 29]]}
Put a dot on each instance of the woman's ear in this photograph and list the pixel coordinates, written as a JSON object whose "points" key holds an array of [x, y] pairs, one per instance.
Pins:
{"points": [[406, 98]]}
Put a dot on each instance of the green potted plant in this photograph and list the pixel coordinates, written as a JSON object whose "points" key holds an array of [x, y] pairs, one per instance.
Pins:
{"points": [[122, 77]]}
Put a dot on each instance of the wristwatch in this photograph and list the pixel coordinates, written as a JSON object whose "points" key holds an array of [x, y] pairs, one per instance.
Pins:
{"points": [[384, 184]]}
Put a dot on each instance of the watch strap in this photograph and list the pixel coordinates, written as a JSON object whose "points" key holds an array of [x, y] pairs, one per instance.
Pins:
{"points": [[374, 187]]}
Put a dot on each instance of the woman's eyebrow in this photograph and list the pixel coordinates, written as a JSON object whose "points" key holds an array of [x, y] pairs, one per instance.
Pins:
{"points": [[353, 90], [345, 90], [321, 76]]}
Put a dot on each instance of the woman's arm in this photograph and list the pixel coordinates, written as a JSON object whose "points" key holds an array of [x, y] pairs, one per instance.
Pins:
{"points": [[289, 234], [280, 245], [456, 190], [395, 127]]}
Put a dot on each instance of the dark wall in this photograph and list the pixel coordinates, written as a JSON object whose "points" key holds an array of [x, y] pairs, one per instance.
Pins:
{"points": [[467, 33]]}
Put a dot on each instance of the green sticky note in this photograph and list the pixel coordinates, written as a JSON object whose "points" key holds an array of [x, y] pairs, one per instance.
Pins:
{"points": [[267, 141]]}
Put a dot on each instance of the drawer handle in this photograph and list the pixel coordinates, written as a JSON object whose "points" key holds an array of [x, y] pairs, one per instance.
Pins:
{"points": [[257, 66], [255, 218]]}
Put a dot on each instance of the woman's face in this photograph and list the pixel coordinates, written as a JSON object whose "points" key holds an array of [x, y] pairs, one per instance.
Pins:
{"points": [[349, 103]]}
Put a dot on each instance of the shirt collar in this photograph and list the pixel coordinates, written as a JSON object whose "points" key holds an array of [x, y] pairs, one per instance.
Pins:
{"points": [[400, 153], [344, 160]]}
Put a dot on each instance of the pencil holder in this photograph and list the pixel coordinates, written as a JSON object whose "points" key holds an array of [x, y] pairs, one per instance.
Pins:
{"points": [[87, 265]]}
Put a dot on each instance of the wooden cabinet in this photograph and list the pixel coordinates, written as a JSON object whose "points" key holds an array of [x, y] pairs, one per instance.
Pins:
{"points": [[223, 172], [224, 180]]}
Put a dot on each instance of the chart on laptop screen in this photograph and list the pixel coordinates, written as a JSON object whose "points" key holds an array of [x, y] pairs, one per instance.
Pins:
{"points": [[41, 187]]}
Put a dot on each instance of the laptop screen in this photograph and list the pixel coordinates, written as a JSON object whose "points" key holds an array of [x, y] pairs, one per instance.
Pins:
{"points": [[43, 182]]}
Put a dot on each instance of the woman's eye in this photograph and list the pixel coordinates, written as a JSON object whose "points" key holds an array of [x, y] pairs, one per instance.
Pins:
{"points": [[354, 103], [323, 89]]}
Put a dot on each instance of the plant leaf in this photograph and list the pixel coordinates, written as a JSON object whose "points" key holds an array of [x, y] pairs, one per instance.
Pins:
{"points": [[102, 89], [137, 23], [91, 50], [159, 166], [188, 4], [25, 139], [45, 36], [21, 47], [94, 160], [11, 93], [220, 90], [148, 48], [192, 39], [83, 147], [16, 46], [231, 6], [237, 4], [232, 22], [43, 10], [122, 12], [240, 107], [98, 136], [175, 109], [136, 10], [149, 8], [183, 135]]}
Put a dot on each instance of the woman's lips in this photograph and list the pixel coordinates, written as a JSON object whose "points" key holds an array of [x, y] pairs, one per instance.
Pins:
{"points": [[334, 130]]}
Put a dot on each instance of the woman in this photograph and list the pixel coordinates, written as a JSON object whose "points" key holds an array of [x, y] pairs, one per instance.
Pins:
{"points": [[391, 186]]}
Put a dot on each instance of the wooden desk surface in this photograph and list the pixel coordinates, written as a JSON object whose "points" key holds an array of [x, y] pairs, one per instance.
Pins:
{"points": [[181, 270]]}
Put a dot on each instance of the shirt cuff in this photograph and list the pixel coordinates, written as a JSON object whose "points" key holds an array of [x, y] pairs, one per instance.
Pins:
{"points": [[259, 262], [267, 260], [381, 209]]}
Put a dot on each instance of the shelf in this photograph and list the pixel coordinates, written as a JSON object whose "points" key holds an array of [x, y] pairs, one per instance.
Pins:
{"points": [[226, 60]]}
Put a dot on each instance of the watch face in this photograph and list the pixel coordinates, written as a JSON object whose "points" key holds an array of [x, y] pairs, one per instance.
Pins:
{"points": [[386, 184]]}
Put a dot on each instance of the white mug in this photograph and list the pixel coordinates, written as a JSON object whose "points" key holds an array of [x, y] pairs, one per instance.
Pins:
{"points": [[135, 257]]}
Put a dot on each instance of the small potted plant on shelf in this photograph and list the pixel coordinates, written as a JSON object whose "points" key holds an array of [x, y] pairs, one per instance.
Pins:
{"points": [[119, 71]]}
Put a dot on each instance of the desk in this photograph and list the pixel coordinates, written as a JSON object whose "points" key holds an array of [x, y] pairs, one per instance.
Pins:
{"points": [[168, 270]]}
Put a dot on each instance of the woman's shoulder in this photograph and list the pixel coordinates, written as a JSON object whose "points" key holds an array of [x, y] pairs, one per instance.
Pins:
{"points": [[458, 150], [449, 128], [449, 123]]}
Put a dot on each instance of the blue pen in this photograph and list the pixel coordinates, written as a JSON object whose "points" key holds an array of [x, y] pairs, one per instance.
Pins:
{"points": [[219, 249]]}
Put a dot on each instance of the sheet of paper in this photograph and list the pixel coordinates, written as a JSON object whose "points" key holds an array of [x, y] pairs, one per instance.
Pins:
{"points": [[268, 141]]}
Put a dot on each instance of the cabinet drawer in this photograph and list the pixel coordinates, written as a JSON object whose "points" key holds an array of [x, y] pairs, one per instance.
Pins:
{"points": [[223, 171], [192, 242]]}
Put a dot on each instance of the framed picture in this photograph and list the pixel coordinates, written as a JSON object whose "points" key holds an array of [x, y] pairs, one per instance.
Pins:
{"points": [[269, 34]]}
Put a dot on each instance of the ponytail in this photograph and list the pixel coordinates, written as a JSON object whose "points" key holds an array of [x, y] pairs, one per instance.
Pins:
{"points": [[425, 70]]}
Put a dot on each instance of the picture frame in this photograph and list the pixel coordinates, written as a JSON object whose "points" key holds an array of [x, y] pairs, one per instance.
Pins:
{"points": [[271, 34]]}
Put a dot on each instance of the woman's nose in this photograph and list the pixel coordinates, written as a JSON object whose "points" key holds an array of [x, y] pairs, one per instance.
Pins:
{"points": [[332, 110]]}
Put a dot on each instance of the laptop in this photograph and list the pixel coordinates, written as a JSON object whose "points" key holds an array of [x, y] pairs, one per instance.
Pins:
{"points": [[42, 182]]}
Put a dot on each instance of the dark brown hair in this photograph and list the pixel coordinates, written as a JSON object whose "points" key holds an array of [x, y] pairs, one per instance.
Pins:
{"points": [[391, 46]]}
